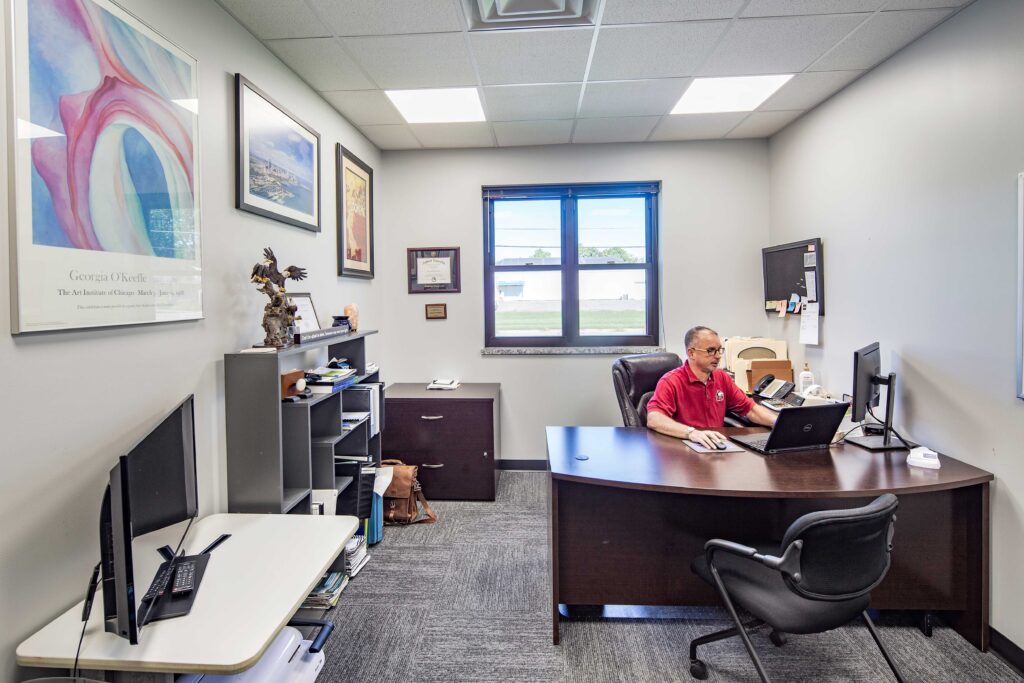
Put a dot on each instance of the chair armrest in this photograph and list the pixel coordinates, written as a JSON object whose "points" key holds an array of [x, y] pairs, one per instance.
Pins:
{"points": [[788, 564], [730, 547]]}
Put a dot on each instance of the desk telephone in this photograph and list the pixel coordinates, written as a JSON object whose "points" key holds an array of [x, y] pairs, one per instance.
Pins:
{"points": [[777, 393]]}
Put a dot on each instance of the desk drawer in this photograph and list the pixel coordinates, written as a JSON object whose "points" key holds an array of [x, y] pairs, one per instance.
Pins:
{"points": [[438, 424], [449, 474]]}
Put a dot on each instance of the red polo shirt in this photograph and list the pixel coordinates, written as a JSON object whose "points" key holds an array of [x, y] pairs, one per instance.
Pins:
{"points": [[684, 398]]}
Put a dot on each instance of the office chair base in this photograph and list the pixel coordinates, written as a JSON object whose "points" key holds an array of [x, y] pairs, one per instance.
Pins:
{"points": [[778, 638], [698, 669], [878, 641]]}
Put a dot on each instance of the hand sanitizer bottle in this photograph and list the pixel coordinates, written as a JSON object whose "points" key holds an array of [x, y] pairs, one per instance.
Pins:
{"points": [[805, 380]]}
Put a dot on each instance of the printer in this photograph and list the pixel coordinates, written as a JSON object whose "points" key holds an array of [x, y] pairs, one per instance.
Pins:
{"points": [[287, 660]]}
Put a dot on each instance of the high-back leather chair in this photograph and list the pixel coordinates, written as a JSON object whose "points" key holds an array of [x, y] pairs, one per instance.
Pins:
{"points": [[820, 577], [634, 378]]}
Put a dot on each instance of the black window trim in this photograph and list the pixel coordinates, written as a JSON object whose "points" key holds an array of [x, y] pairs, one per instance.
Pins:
{"points": [[570, 266]]}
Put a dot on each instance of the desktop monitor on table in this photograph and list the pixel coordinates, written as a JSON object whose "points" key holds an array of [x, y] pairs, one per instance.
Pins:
{"points": [[867, 383], [152, 487]]}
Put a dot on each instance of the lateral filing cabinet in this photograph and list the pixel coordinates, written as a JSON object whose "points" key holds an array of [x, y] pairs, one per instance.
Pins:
{"points": [[452, 436]]}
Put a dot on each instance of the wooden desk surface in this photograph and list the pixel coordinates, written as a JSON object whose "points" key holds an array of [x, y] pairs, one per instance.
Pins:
{"points": [[253, 584], [645, 460]]}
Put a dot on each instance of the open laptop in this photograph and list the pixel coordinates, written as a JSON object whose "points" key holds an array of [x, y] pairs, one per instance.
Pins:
{"points": [[798, 429]]}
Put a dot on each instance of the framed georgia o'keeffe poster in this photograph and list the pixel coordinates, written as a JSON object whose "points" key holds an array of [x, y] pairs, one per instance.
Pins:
{"points": [[278, 163], [104, 168], [355, 215]]}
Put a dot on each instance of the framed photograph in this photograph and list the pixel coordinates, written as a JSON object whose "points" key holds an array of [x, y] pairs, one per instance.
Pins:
{"points": [[433, 270], [437, 311], [355, 215], [1020, 285], [278, 160], [305, 314], [104, 156]]}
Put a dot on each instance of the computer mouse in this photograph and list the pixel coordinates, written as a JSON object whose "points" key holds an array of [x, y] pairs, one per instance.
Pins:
{"points": [[721, 445]]}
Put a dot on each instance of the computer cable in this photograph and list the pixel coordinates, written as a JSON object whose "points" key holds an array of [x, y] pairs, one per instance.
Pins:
{"points": [[170, 573], [893, 429], [843, 440], [90, 593]]}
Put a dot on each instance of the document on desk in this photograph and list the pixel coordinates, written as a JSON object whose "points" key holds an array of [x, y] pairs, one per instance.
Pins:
{"points": [[730, 447], [809, 323]]}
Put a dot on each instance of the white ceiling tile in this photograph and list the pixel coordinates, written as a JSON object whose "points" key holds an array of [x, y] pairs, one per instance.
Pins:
{"points": [[364, 107], [626, 129], [808, 89], [526, 102], [654, 11], [763, 124], [454, 134], [321, 62], [433, 60], [276, 18], [879, 38], [385, 17], [542, 56], [391, 137], [632, 98], [697, 126], [653, 51], [777, 45], [924, 4], [518, 133], [783, 8]]}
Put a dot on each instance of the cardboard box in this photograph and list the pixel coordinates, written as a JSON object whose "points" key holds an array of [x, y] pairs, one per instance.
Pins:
{"points": [[782, 369]]}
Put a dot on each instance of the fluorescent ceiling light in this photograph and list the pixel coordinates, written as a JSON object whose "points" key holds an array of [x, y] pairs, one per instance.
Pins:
{"points": [[741, 93], [447, 105]]}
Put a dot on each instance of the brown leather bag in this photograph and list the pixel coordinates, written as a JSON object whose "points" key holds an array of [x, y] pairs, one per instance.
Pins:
{"points": [[401, 500]]}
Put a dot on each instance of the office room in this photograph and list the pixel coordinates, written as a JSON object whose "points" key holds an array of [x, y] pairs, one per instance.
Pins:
{"points": [[887, 141]]}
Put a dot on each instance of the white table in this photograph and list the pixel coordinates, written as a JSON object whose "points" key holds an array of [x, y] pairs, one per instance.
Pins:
{"points": [[254, 583]]}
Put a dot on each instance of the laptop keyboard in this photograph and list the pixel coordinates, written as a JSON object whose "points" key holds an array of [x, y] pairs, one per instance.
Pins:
{"points": [[760, 443]]}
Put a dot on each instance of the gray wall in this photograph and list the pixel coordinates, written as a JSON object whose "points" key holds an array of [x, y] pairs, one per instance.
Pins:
{"points": [[714, 221], [909, 176], [72, 401]]}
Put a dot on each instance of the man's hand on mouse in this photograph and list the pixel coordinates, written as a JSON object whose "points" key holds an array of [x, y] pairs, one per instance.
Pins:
{"points": [[706, 438]]}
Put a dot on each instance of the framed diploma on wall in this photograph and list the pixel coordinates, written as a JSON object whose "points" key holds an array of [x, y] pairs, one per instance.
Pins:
{"points": [[433, 270]]}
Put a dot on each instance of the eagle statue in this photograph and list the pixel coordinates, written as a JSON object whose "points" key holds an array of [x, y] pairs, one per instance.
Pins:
{"points": [[266, 271]]}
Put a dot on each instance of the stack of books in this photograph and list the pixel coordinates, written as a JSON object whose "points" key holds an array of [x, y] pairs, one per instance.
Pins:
{"points": [[332, 380], [327, 592], [352, 418], [356, 556]]}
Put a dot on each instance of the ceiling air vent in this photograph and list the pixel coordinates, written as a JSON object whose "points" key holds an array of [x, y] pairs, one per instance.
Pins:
{"points": [[491, 15]]}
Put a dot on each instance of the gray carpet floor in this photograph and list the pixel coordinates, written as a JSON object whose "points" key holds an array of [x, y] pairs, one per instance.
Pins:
{"points": [[468, 599]]}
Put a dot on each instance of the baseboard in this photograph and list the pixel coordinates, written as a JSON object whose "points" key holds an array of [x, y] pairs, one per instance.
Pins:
{"points": [[1007, 649], [528, 465]]}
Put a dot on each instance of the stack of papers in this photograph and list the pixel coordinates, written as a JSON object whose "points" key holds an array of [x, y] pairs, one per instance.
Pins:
{"points": [[332, 380], [371, 367], [356, 556], [350, 419], [444, 384], [327, 592]]}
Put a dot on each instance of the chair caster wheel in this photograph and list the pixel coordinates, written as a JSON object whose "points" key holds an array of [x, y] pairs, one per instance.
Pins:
{"points": [[698, 669], [778, 639]]}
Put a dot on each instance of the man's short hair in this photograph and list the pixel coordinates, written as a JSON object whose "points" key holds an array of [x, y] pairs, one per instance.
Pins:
{"points": [[692, 333]]}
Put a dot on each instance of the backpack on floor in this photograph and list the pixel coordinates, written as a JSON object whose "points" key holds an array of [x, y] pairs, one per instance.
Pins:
{"points": [[404, 495]]}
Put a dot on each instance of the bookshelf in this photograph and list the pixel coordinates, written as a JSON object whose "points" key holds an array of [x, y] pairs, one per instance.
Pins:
{"points": [[278, 452]]}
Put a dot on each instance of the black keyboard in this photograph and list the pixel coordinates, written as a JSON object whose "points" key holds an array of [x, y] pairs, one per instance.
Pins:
{"points": [[760, 443]]}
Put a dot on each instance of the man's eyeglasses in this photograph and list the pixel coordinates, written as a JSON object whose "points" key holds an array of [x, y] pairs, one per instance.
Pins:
{"points": [[712, 351]]}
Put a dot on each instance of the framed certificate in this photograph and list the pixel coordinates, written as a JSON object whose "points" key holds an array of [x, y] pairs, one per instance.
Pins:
{"points": [[305, 314], [433, 270]]}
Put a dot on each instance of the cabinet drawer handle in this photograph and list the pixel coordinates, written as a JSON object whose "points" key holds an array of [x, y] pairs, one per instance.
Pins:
{"points": [[431, 465], [431, 417]]}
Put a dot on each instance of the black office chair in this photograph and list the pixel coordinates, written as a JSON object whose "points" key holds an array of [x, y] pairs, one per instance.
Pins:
{"points": [[830, 562], [634, 378]]}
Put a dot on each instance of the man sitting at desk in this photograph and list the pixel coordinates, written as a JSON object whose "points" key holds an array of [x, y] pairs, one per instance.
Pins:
{"points": [[690, 401]]}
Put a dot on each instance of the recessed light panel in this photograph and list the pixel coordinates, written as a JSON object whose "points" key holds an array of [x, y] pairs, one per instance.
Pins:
{"points": [[443, 105], [740, 93]]}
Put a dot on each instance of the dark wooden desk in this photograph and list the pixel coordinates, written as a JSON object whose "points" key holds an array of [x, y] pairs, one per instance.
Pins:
{"points": [[627, 521]]}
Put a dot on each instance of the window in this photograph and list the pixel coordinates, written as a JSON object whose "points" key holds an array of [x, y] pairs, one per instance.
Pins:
{"points": [[571, 265]]}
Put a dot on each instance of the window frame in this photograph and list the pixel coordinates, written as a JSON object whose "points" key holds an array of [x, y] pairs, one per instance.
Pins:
{"points": [[570, 266]]}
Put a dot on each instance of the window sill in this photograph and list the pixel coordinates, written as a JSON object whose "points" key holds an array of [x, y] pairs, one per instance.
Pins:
{"points": [[567, 350]]}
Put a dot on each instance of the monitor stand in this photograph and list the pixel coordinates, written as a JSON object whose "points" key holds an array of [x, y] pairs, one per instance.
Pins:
{"points": [[887, 439]]}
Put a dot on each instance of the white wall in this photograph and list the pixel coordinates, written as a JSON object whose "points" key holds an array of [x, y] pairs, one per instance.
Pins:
{"points": [[714, 215], [72, 401], [909, 176]]}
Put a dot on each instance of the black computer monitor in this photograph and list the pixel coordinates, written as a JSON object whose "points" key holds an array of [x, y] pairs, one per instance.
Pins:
{"points": [[867, 366], [867, 386], [151, 487]]}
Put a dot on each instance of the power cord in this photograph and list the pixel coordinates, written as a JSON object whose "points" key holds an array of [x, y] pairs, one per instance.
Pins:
{"points": [[902, 440], [90, 593]]}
